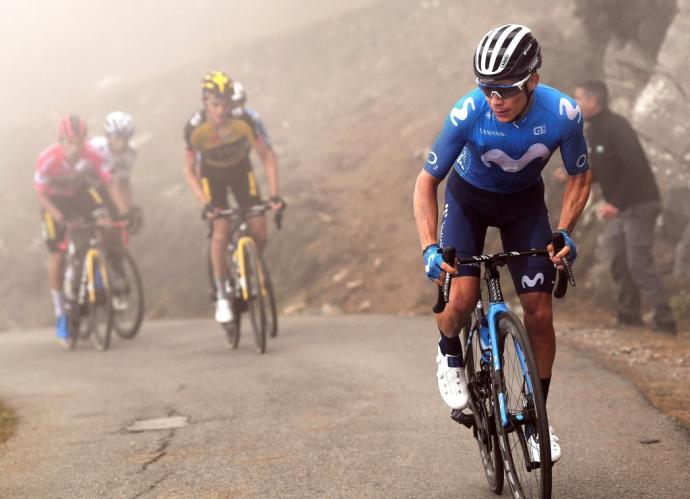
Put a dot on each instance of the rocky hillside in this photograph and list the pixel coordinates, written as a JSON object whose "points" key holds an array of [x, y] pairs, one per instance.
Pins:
{"points": [[351, 102]]}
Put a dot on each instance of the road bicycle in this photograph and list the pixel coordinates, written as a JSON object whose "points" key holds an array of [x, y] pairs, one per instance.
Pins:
{"points": [[507, 414], [87, 286], [251, 288]]}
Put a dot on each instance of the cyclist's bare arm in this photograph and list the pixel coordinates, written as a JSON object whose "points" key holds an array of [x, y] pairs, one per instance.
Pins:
{"points": [[117, 197], [425, 202], [49, 206], [190, 173], [574, 199], [270, 163], [125, 190]]}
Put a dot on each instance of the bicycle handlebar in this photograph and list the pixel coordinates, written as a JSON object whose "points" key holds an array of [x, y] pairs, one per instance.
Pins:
{"points": [[80, 224], [444, 291], [564, 278], [259, 209]]}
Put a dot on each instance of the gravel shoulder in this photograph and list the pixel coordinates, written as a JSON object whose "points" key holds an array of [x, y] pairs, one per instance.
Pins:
{"points": [[658, 365]]}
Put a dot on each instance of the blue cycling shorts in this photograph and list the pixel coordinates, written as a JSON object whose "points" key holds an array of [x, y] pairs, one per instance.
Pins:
{"points": [[523, 222]]}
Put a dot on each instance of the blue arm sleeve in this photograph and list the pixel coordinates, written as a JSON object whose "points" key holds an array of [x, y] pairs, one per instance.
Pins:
{"points": [[261, 131], [451, 140], [574, 145], [259, 127]]}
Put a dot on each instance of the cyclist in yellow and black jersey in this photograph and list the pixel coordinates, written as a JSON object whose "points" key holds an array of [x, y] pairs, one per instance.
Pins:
{"points": [[217, 160]]}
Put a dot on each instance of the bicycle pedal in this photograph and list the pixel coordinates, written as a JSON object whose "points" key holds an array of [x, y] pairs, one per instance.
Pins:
{"points": [[467, 420]]}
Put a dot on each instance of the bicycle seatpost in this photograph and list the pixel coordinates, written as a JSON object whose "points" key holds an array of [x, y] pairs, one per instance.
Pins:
{"points": [[444, 291]]}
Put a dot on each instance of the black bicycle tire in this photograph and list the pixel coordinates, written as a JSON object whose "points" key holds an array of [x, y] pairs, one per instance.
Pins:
{"points": [[101, 342], [255, 301], [73, 328], [492, 460], [133, 330], [273, 309], [232, 328], [506, 321]]}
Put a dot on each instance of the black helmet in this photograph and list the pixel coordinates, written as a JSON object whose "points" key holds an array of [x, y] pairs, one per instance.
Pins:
{"points": [[507, 52]]}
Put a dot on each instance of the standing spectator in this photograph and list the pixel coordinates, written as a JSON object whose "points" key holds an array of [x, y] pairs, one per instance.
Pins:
{"points": [[631, 207]]}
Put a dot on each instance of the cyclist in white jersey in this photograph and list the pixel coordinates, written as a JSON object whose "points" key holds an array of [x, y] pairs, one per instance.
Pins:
{"points": [[117, 151]]}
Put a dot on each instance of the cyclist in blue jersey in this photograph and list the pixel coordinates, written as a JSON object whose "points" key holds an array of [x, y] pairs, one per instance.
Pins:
{"points": [[250, 115], [493, 146]]}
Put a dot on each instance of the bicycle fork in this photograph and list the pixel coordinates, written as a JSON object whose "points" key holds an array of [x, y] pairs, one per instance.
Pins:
{"points": [[240, 257]]}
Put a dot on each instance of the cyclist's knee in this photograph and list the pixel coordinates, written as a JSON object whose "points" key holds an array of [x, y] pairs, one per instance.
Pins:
{"points": [[261, 238], [220, 232], [259, 230], [459, 309], [538, 319]]}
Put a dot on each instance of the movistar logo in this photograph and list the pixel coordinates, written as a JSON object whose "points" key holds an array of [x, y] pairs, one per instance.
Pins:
{"points": [[571, 111], [510, 165], [462, 113], [530, 283]]}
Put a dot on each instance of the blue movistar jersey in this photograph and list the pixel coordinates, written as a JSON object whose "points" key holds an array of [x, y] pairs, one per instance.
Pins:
{"points": [[509, 157], [259, 128]]}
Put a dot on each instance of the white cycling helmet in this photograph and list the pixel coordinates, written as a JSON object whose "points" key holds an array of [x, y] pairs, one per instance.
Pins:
{"points": [[239, 94], [119, 124]]}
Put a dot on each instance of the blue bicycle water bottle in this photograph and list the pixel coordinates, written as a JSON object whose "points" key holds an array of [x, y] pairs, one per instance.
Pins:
{"points": [[484, 341]]}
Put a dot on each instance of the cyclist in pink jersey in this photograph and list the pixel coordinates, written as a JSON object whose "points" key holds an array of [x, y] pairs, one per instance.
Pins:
{"points": [[70, 182]]}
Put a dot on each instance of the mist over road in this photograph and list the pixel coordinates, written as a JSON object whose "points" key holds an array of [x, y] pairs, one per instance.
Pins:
{"points": [[338, 407]]}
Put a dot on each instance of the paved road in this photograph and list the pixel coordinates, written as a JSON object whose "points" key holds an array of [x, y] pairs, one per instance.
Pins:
{"points": [[338, 407]]}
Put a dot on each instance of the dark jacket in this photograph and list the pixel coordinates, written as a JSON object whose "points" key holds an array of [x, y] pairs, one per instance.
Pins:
{"points": [[618, 161]]}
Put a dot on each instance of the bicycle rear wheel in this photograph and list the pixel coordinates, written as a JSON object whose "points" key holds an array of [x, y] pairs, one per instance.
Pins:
{"points": [[100, 305], [256, 301], [525, 415], [478, 375], [272, 310], [130, 297]]}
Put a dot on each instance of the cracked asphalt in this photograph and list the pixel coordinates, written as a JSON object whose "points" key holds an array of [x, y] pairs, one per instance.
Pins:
{"points": [[338, 407]]}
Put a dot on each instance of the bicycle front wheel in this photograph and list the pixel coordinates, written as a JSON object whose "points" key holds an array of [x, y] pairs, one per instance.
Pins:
{"points": [[232, 328], [256, 301], [74, 328], [478, 374], [128, 298], [100, 304], [523, 426]]}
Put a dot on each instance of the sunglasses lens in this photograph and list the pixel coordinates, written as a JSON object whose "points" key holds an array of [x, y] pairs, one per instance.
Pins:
{"points": [[502, 92]]}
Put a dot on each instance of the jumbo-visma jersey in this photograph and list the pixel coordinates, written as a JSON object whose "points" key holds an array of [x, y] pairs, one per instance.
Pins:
{"points": [[227, 146], [509, 157]]}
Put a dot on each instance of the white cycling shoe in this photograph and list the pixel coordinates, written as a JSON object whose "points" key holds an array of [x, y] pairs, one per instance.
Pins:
{"points": [[119, 304], [533, 447], [223, 311], [451, 381]]}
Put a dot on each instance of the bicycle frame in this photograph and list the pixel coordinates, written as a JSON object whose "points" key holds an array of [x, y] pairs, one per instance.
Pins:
{"points": [[90, 269], [497, 306], [238, 239]]}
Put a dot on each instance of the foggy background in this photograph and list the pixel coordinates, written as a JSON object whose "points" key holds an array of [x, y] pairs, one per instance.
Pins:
{"points": [[352, 95]]}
